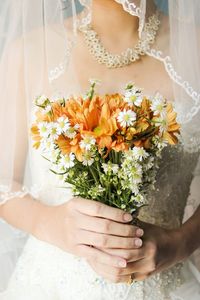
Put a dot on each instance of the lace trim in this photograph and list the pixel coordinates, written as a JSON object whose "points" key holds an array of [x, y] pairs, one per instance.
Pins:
{"points": [[6, 194], [179, 80], [139, 11], [86, 16], [60, 69]]}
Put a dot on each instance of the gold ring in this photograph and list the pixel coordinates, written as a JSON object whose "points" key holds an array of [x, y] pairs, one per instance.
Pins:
{"points": [[131, 279]]}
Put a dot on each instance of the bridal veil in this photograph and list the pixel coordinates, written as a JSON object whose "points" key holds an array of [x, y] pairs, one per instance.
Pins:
{"points": [[36, 41]]}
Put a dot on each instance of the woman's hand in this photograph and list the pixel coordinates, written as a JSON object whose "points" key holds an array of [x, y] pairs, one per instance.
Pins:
{"points": [[161, 249], [82, 226]]}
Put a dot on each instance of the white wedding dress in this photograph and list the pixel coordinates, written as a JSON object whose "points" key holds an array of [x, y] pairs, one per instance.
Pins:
{"points": [[45, 272]]}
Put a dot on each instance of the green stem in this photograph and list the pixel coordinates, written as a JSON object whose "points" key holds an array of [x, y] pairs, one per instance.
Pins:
{"points": [[94, 175]]}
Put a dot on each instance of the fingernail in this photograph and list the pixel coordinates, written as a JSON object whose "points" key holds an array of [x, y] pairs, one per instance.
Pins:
{"points": [[128, 217], [138, 242], [139, 232], [121, 263]]}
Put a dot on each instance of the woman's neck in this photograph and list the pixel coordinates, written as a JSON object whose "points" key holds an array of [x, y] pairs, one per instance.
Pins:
{"points": [[111, 21]]}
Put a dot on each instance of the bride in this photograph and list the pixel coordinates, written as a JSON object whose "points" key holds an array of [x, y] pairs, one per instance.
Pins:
{"points": [[76, 248]]}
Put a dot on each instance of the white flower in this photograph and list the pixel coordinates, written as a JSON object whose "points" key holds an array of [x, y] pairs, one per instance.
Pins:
{"points": [[46, 145], [139, 153], [133, 96], [76, 127], [115, 168], [41, 100], [71, 132], [149, 164], [93, 81], [44, 129], [105, 168], [88, 158], [158, 106], [87, 142], [53, 155], [126, 118], [53, 130], [109, 167], [135, 189], [63, 124], [138, 100], [47, 109], [67, 161], [139, 198]]}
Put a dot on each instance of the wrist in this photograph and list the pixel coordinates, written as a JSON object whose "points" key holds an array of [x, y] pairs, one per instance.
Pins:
{"points": [[40, 218], [187, 241]]}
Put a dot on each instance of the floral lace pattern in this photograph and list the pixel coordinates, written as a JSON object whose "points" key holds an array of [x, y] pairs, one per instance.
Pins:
{"points": [[181, 82], [61, 274]]}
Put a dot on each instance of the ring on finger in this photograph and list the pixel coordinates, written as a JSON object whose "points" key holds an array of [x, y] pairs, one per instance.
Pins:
{"points": [[131, 279]]}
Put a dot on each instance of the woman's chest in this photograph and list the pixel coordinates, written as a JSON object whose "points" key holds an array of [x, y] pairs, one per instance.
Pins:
{"points": [[147, 73]]}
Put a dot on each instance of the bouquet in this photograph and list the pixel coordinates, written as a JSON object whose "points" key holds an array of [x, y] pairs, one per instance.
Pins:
{"points": [[106, 147]]}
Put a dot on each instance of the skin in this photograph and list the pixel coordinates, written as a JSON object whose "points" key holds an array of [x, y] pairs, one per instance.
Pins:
{"points": [[77, 225]]}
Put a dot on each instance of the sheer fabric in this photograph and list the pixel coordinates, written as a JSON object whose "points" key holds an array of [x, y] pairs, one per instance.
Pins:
{"points": [[37, 42]]}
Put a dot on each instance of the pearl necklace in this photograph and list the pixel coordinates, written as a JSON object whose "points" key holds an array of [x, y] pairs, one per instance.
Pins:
{"points": [[128, 56]]}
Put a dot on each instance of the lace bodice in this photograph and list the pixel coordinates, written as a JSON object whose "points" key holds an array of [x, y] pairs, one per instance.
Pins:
{"points": [[167, 202]]}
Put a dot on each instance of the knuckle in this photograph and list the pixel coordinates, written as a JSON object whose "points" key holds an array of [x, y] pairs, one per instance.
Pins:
{"points": [[130, 230], [119, 215], [118, 272], [127, 255], [104, 241], [126, 243], [151, 249], [106, 226]]}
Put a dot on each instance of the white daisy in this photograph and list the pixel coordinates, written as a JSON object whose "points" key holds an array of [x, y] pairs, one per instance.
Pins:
{"points": [[67, 161], [139, 153], [87, 142], [46, 145], [63, 124], [133, 96], [158, 106], [139, 198], [53, 155], [88, 158], [138, 100], [135, 189], [126, 118], [115, 168], [53, 130], [44, 129], [105, 168], [71, 132], [109, 167]]}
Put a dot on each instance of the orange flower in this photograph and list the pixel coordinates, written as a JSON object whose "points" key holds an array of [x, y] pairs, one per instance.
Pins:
{"points": [[36, 136], [97, 117], [173, 128], [67, 146]]}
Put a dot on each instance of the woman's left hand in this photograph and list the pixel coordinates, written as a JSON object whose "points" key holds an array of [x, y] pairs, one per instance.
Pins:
{"points": [[161, 249]]}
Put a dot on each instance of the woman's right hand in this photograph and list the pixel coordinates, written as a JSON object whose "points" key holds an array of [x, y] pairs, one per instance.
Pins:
{"points": [[83, 227]]}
